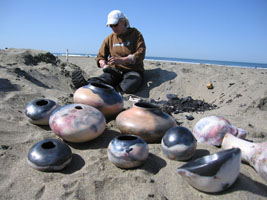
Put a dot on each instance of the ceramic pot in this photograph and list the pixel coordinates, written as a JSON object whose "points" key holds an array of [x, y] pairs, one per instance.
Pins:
{"points": [[255, 154], [128, 151], [38, 111], [77, 122], [145, 120], [49, 155], [212, 129], [213, 173], [178, 143], [101, 96]]}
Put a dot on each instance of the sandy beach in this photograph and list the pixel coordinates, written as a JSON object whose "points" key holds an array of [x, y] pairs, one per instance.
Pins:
{"points": [[240, 95]]}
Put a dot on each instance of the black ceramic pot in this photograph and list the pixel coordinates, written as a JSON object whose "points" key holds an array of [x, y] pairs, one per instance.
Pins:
{"points": [[101, 96], [213, 173], [178, 143], [128, 151], [38, 111], [49, 155]]}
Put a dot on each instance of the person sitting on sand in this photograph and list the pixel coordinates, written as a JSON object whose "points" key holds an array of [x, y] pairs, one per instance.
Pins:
{"points": [[121, 57]]}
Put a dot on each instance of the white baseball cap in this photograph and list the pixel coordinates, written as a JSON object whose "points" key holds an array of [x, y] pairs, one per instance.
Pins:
{"points": [[114, 17]]}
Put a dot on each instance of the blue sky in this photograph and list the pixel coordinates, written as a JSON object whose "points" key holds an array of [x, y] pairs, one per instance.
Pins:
{"points": [[228, 30]]}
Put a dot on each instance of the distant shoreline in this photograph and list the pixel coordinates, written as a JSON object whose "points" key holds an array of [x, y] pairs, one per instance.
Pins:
{"points": [[184, 60]]}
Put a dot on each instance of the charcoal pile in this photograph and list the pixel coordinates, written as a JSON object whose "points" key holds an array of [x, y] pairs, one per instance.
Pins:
{"points": [[176, 105]]}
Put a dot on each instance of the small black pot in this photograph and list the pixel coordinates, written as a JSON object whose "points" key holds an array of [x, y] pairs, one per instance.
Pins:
{"points": [[49, 155], [178, 143], [38, 111]]}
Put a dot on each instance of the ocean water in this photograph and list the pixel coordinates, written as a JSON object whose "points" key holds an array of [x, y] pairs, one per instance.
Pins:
{"points": [[184, 60]]}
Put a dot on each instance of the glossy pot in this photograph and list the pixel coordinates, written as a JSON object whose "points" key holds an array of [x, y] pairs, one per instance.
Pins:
{"points": [[211, 130], [178, 143], [77, 122], [145, 120], [213, 173], [128, 151], [255, 154], [38, 111], [101, 96], [49, 155]]}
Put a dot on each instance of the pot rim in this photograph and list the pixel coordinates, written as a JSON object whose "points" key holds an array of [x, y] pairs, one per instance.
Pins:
{"points": [[100, 85], [146, 106], [127, 137], [215, 158]]}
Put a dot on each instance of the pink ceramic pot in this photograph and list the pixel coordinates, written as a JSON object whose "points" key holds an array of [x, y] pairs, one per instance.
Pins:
{"points": [[101, 96], [145, 120], [211, 130], [77, 122]]}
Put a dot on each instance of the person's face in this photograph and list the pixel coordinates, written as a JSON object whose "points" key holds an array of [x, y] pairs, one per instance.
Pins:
{"points": [[118, 28]]}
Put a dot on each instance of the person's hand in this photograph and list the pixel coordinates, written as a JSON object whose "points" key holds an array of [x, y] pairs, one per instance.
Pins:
{"points": [[102, 64], [116, 60]]}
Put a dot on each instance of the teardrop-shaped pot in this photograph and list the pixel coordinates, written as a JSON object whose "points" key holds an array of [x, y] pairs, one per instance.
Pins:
{"points": [[49, 155], [145, 120], [101, 96], [213, 173], [38, 111], [77, 122], [128, 151]]}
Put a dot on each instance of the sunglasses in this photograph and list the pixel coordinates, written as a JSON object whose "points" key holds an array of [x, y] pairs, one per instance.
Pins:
{"points": [[113, 25]]}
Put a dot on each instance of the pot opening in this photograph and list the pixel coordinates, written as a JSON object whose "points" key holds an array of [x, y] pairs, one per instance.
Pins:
{"points": [[78, 107], [146, 105], [42, 103], [101, 85], [127, 137], [48, 145]]}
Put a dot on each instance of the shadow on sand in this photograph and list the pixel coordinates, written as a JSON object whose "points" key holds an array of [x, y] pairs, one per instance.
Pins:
{"points": [[153, 78]]}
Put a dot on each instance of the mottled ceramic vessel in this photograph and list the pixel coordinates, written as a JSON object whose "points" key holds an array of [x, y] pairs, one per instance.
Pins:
{"points": [[145, 120], [178, 143], [77, 122], [38, 111], [101, 96], [213, 173], [128, 151], [212, 129], [255, 154], [49, 155]]}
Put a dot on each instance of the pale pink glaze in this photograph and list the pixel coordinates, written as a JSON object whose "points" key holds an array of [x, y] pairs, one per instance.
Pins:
{"points": [[255, 154], [212, 129]]}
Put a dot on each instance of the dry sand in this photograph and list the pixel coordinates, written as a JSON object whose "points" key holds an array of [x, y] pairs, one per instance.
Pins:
{"points": [[237, 93]]}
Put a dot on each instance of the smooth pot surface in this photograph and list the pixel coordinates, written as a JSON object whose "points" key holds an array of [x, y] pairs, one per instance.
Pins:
{"points": [[101, 96], [145, 120], [38, 111], [49, 155], [213, 173], [128, 151], [77, 122], [178, 143]]}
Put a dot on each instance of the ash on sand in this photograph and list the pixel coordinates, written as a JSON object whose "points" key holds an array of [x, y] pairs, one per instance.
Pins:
{"points": [[176, 105]]}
